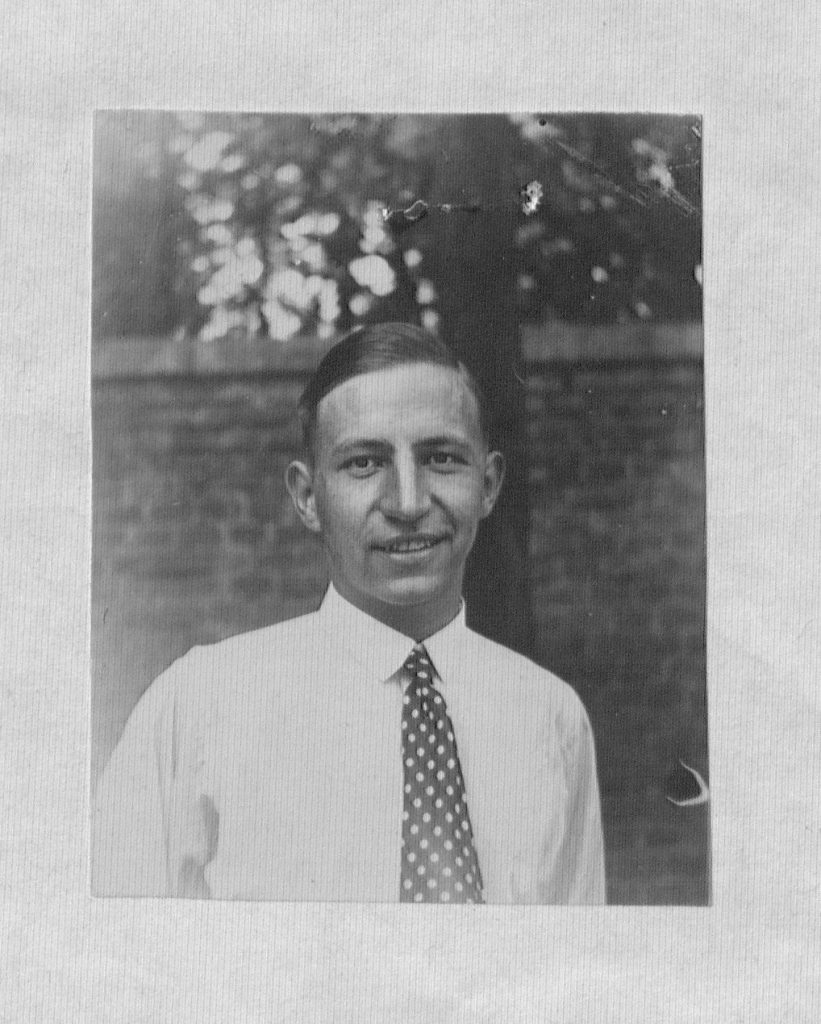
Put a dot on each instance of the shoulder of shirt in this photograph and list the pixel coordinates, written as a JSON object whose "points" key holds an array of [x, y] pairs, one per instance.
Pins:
{"points": [[280, 637], [523, 678], [239, 661]]}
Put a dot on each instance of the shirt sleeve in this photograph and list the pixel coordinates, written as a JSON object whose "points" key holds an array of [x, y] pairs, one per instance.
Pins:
{"points": [[580, 874], [129, 828]]}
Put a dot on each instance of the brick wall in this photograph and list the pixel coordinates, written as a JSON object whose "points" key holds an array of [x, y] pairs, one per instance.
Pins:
{"points": [[195, 539], [618, 585]]}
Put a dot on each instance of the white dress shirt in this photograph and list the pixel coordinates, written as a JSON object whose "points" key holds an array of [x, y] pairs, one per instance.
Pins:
{"points": [[269, 766]]}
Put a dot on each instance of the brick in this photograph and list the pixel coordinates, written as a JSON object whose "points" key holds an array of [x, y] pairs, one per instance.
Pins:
{"points": [[253, 585], [247, 533]]}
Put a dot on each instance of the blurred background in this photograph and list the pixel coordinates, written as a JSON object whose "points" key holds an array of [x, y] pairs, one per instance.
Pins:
{"points": [[560, 256]]}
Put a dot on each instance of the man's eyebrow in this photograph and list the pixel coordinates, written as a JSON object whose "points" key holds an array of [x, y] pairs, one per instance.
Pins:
{"points": [[358, 443], [443, 441]]}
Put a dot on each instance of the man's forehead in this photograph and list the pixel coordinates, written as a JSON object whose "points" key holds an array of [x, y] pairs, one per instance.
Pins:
{"points": [[404, 395]]}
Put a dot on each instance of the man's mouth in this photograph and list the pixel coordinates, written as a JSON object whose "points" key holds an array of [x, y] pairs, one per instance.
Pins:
{"points": [[409, 545]]}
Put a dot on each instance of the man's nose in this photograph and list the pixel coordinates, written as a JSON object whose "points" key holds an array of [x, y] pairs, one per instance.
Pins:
{"points": [[406, 495]]}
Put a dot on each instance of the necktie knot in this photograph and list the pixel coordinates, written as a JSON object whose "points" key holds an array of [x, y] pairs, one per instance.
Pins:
{"points": [[418, 662], [421, 688]]}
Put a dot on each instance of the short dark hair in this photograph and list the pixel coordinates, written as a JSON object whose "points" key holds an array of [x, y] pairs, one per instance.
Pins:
{"points": [[380, 347]]}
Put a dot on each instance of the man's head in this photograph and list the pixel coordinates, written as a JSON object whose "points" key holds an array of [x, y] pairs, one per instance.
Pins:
{"points": [[379, 347], [397, 473]]}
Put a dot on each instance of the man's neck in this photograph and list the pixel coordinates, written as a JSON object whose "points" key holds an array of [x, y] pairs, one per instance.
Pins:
{"points": [[417, 622]]}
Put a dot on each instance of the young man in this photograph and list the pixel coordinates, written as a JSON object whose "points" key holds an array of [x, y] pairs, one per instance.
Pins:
{"points": [[378, 749]]}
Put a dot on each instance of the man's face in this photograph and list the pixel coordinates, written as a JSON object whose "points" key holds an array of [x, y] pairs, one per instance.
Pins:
{"points": [[401, 477]]}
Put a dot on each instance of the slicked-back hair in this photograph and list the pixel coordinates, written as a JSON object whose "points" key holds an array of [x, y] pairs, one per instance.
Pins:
{"points": [[380, 347]]}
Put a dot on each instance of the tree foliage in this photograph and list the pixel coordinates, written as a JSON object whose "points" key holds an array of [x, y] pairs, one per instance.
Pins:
{"points": [[207, 225]]}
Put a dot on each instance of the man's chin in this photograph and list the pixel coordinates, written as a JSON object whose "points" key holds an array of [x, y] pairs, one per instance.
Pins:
{"points": [[415, 590], [409, 592]]}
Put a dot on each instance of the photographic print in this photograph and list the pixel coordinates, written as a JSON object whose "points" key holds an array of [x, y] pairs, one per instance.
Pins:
{"points": [[398, 586]]}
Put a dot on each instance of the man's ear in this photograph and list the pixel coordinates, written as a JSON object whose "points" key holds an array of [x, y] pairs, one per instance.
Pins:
{"points": [[299, 479], [494, 477]]}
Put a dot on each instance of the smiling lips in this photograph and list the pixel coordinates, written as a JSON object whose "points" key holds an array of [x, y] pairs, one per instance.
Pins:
{"points": [[409, 545]]}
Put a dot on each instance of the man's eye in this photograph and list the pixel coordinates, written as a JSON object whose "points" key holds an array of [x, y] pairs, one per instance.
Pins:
{"points": [[361, 464], [443, 459]]}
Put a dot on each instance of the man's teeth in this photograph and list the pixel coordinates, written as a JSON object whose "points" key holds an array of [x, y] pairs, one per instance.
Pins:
{"points": [[410, 545]]}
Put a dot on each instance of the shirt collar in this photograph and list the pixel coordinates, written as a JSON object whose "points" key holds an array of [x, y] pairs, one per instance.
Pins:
{"points": [[382, 650]]}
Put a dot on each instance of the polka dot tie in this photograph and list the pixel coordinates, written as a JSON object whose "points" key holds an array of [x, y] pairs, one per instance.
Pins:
{"points": [[439, 863]]}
